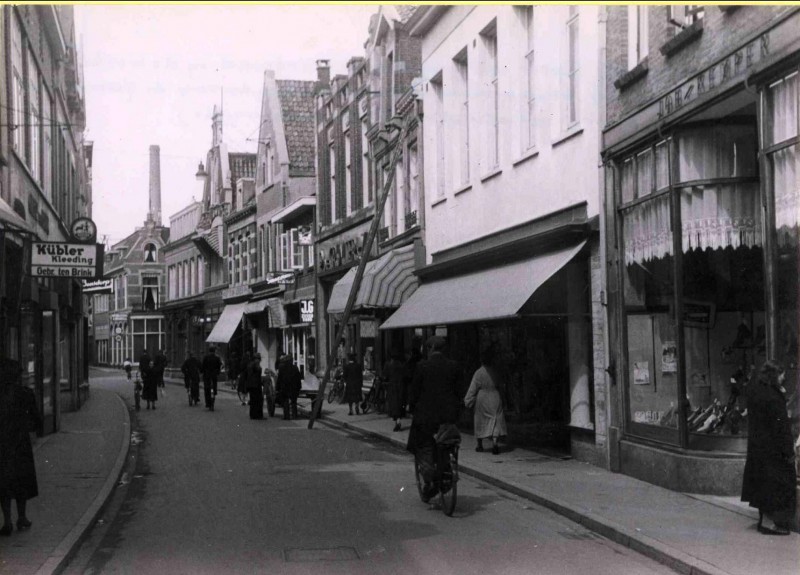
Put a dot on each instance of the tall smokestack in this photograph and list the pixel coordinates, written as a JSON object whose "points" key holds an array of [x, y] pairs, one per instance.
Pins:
{"points": [[154, 213]]}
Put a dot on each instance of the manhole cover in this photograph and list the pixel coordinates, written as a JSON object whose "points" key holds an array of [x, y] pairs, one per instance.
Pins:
{"points": [[299, 555]]}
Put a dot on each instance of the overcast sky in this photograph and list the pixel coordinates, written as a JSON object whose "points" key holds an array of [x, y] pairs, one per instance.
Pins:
{"points": [[153, 74]]}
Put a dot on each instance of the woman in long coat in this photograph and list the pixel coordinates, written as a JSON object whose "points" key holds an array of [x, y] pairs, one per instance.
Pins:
{"points": [[252, 377], [483, 394], [353, 375], [149, 380], [19, 416], [770, 482], [394, 373]]}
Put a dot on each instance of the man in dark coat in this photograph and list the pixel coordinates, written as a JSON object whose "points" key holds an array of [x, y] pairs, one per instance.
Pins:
{"points": [[212, 365], [288, 386], [770, 481], [434, 399], [149, 381], [159, 365], [252, 380], [353, 374], [19, 415], [191, 377]]}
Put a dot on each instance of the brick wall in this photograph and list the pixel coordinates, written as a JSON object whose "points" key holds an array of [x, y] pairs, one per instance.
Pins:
{"points": [[722, 33]]}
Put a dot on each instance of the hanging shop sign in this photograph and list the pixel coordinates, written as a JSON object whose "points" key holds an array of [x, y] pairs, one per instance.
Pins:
{"points": [[307, 310], [281, 279], [98, 286], [83, 230], [54, 259], [304, 236]]}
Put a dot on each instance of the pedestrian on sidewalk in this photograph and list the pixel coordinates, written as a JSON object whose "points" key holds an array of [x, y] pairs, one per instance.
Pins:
{"points": [[394, 372], [149, 381], [243, 374], [191, 377], [411, 368], [770, 481], [287, 386], [252, 377], [19, 415], [159, 365], [484, 395], [435, 400], [211, 366], [353, 375]]}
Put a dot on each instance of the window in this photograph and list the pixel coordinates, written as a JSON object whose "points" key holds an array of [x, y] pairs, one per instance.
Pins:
{"points": [[366, 190], [412, 189], [683, 16], [637, 35], [18, 90], [573, 66], [439, 142], [149, 292], [47, 169], [286, 250], [528, 131], [461, 65], [492, 99], [34, 119], [332, 168], [150, 253], [396, 224], [246, 258], [297, 249], [348, 176], [390, 95]]}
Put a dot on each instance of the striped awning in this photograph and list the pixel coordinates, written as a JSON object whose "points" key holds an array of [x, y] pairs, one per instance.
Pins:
{"points": [[388, 281]]}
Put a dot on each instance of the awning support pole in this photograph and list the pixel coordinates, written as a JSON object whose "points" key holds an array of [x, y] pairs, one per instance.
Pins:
{"points": [[362, 264]]}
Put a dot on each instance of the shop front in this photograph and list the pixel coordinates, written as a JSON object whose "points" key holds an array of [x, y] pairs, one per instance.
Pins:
{"points": [[299, 334], [535, 308], [703, 217]]}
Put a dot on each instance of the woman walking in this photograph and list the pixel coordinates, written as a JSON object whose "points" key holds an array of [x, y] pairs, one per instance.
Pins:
{"points": [[394, 377], [19, 416], [484, 396], [149, 380], [353, 375], [252, 376], [770, 481]]}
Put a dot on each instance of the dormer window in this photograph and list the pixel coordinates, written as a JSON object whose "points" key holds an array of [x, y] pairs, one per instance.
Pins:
{"points": [[150, 253]]}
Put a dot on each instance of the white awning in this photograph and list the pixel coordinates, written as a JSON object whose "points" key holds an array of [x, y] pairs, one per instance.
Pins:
{"points": [[494, 293], [227, 323]]}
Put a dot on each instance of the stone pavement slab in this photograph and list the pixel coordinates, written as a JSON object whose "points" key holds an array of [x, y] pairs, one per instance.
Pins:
{"points": [[692, 534], [77, 469]]}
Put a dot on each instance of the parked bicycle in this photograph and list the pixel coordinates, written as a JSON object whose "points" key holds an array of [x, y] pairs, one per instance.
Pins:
{"points": [[448, 441], [336, 392], [376, 397]]}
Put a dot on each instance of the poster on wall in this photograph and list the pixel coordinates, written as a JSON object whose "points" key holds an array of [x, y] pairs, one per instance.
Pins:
{"points": [[669, 357], [641, 373]]}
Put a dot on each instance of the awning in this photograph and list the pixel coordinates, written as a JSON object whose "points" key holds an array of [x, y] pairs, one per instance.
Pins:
{"points": [[252, 307], [277, 315], [226, 324], [9, 216], [495, 293], [388, 281]]}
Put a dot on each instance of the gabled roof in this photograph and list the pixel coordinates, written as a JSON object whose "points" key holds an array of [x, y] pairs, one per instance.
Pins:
{"points": [[297, 112]]}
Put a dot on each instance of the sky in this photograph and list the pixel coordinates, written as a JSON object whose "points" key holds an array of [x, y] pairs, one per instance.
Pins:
{"points": [[153, 74]]}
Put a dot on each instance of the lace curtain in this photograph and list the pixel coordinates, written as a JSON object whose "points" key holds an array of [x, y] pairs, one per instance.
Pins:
{"points": [[647, 231], [718, 217], [784, 104]]}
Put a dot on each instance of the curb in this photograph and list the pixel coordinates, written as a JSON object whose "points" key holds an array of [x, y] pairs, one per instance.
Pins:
{"points": [[63, 553], [638, 542]]}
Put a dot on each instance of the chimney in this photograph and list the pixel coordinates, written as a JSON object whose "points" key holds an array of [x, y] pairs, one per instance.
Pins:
{"points": [[323, 74], [154, 214]]}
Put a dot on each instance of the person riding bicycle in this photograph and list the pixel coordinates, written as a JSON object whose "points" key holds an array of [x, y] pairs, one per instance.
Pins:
{"points": [[435, 400]]}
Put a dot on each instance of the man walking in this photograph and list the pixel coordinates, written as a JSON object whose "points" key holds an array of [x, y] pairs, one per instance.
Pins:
{"points": [[288, 386], [159, 365], [435, 399], [191, 378], [212, 365]]}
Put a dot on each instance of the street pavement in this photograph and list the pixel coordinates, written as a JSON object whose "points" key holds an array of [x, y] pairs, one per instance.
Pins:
{"points": [[79, 467]]}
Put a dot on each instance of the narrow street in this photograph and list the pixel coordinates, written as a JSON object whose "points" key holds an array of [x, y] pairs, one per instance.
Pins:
{"points": [[218, 493]]}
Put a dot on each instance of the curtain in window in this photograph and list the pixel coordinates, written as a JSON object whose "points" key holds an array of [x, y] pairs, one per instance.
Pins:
{"points": [[646, 231], [786, 179], [717, 217], [783, 105]]}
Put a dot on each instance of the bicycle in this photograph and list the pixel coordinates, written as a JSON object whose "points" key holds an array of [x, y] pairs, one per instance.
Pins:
{"points": [[448, 441], [336, 392], [269, 391], [376, 397]]}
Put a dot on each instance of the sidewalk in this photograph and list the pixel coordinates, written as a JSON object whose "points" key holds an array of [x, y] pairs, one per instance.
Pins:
{"points": [[691, 534], [77, 469]]}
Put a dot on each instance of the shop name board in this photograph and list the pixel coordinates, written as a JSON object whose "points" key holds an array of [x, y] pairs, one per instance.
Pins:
{"points": [[342, 253], [282, 279], [52, 259], [98, 286], [714, 76], [307, 310], [118, 317]]}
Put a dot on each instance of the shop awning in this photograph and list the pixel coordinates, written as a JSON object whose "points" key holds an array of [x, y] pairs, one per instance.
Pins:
{"points": [[227, 323], [494, 293], [9, 216], [388, 281], [253, 307], [277, 315]]}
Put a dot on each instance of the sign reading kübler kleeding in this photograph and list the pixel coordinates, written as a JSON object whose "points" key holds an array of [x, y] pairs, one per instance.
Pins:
{"points": [[50, 260]]}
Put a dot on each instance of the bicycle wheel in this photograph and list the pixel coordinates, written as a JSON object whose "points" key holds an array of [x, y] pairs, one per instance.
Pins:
{"points": [[418, 477], [332, 392], [367, 404], [448, 483]]}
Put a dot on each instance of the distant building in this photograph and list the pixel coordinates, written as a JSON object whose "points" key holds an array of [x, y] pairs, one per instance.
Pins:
{"points": [[44, 187]]}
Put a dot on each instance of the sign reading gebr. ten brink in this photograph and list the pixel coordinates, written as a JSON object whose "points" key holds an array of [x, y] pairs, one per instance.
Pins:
{"points": [[54, 260]]}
